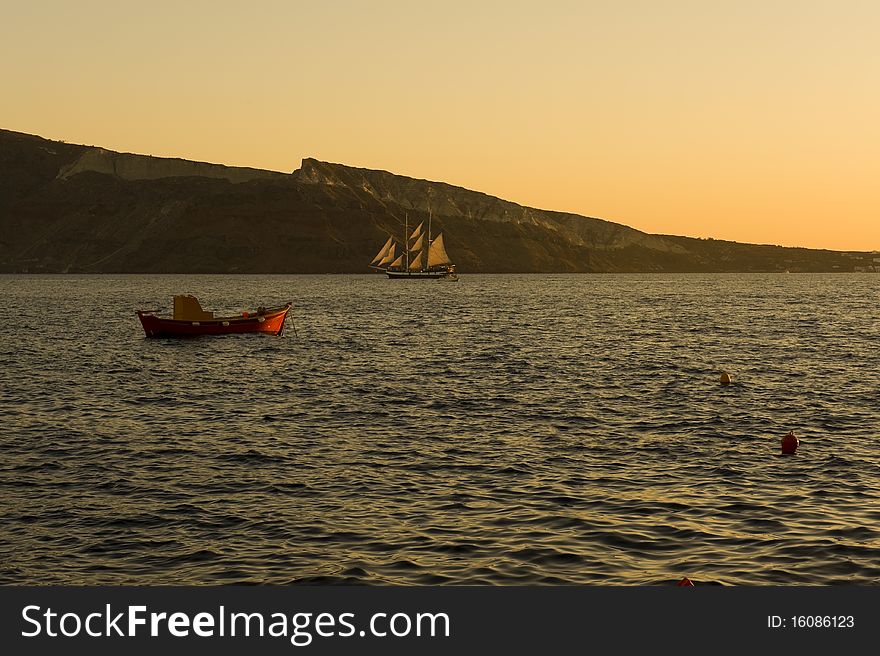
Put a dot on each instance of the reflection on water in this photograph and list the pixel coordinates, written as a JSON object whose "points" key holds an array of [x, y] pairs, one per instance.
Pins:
{"points": [[506, 429]]}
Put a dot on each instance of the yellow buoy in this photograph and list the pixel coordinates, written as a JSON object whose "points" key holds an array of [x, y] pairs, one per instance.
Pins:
{"points": [[725, 378]]}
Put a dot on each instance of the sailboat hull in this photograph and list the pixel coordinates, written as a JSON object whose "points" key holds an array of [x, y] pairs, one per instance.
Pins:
{"points": [[416, 275]]}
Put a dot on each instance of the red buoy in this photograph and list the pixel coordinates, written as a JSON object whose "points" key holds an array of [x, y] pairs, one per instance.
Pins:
{"points": [[684, 583], [245, 315], [790, 443]]}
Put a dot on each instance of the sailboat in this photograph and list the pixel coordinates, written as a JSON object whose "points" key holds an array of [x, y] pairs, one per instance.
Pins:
{"points": [[420, 256]]}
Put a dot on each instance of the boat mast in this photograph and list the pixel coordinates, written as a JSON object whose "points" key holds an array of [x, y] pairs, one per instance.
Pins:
{"points": [[406, 238]]}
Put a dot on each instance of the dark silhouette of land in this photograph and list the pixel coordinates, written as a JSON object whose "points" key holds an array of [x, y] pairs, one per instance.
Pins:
{"points": [[72, 208]]}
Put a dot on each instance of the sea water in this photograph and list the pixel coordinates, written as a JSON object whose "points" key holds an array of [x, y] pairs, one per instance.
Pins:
{"points": [[504, 429]]}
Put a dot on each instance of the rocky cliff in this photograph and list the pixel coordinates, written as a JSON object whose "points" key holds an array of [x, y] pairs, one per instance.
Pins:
{"points": [[142, 167], [69, 208]]}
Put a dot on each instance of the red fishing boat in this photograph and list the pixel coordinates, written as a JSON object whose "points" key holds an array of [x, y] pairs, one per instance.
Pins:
{"points": [[190, 320]]}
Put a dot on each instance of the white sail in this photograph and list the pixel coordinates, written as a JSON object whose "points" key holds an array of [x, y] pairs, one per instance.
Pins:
{"points": [[417, 231], [389, 257], [420, 242], [398, 262], [417, 262], [384, 250], [437, 254]]}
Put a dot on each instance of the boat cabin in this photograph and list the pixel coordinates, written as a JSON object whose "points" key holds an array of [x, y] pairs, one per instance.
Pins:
{"points": [[188, 308]]}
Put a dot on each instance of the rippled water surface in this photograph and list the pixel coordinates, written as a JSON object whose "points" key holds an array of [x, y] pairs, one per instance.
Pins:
{"points": [[504, 429]]}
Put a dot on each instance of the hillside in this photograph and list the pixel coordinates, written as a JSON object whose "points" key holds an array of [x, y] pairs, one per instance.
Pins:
{"points": [[71, 208]]}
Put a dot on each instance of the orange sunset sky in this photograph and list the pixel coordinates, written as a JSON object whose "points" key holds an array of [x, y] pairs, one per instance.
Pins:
{"points": [[750, 120]]}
